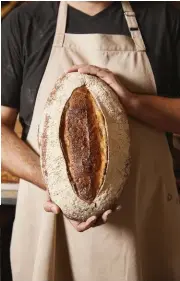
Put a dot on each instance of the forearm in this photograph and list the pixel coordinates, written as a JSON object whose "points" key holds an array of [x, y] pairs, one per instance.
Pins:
{"points": [[18, 158], [161, 113]]}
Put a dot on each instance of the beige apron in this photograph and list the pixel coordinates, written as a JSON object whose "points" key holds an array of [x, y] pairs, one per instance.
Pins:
{"points": [[142, 241]]}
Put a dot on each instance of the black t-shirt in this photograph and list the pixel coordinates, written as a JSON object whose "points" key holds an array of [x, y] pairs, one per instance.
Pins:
{"points": [[27, 37]]}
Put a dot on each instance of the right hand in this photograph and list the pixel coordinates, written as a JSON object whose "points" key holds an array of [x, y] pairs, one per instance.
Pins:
{"points": [[93, 221]]}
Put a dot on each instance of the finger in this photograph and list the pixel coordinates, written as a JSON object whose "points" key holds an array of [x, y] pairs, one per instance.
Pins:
{"points": [[103, 73], [89, 69], [80, 227], [47, 207], [105, 215], [93, 69], [86, 225], [51, 207], [75, 68], [86, 68]]}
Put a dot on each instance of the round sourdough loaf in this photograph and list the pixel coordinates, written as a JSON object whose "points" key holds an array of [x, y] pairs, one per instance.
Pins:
{"points": [[84, 146]]}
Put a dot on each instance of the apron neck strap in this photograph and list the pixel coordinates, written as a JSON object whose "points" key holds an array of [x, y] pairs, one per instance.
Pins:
{"points": [[133, 26], [130, 19], [61, 24]]}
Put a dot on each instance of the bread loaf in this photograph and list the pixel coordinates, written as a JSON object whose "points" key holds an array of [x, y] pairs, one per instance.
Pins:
{"points": [[84, 146], [84, 143]]}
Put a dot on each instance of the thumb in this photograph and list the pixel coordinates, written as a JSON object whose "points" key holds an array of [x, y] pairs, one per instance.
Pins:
{"points": [[49, 206]]}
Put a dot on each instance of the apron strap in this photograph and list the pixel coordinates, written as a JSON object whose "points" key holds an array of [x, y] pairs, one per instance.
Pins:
{"points": [[130, 19], [61, 24], [133, 26]]}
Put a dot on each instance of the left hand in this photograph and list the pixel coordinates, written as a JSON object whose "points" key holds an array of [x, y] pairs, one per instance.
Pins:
{"points": [[107, 76]]}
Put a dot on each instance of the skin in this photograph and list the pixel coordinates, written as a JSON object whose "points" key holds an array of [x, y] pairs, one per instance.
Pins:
{"points": [[161, 113], [15, 153], [90, 8]]}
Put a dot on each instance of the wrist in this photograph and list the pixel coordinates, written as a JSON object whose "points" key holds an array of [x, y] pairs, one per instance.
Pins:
{"points": [[40, 179], [36, 176], [131, 103]]}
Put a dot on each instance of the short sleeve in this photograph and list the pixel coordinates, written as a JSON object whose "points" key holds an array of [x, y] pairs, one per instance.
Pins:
{"points": [[11, 61]]}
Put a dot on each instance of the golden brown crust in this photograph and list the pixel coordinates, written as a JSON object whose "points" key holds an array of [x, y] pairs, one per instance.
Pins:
{"points": [[84, 143], [54, 160]]}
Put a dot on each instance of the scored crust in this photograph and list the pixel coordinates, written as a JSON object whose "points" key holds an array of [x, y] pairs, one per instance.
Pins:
{"points": [[52, 156], [84, 143]]}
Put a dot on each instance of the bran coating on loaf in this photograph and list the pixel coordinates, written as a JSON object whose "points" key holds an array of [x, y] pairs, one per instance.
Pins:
{"points": [[52, 155], [84, 143]]}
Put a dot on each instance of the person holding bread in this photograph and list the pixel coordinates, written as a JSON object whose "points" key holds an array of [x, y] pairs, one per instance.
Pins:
{"points": [[133, 48]]}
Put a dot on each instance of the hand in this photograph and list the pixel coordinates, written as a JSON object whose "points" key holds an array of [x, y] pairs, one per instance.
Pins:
{"points": [[49, 206], [107, 76]]}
